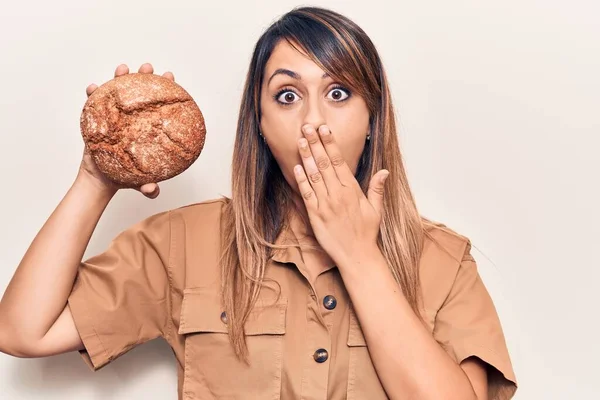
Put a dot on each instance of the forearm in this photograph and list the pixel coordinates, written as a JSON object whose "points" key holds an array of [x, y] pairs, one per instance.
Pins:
{"points": [[408, 360], [38, 291]]}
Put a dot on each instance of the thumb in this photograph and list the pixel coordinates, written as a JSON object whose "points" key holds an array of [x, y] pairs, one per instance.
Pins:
{"points": [[376, 189]]}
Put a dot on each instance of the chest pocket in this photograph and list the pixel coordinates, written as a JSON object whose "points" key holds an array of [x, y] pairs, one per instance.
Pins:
{"points": [[211, 369], [363, 382]]}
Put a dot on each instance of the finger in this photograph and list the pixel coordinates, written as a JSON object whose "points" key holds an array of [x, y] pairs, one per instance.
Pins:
{"points": [[376, 190], [149, 190], [90, 89], [321, 158], [154, 194], [305, 189], [314, 175], [121, 70], [169, 75], [146, 68], [341, 167]]}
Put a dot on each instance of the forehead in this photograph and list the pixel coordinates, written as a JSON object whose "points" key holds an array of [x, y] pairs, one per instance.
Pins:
{"points": [[288, 57]]}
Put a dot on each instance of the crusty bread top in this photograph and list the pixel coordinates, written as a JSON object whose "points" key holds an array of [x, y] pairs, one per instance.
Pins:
{"points": [[142, 128]]}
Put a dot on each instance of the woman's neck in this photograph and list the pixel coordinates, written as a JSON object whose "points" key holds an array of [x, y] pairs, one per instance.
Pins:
{"points": [[300, 223], [302, 230]]}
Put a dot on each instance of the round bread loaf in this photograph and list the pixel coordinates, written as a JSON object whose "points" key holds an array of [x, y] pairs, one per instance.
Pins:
{"points": [[142, 128]]}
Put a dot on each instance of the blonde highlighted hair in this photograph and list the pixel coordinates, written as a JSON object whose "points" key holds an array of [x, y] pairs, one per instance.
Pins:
{"points": [[262, 199]]}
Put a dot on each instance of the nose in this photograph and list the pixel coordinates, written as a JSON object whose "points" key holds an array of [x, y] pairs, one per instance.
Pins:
{"points": [[314, 114]]}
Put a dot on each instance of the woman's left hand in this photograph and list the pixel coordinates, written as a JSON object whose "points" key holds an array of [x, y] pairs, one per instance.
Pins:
{"points": [[345, 221]]}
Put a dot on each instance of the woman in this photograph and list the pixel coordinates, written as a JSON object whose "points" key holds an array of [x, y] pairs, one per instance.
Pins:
{"points": [[315, 280]]}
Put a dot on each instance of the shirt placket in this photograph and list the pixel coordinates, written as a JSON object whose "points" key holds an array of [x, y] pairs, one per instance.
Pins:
{"points": [[321, 304]]}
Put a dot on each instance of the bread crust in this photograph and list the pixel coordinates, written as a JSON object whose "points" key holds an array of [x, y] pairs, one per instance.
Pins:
{"points": [[142, 128]]}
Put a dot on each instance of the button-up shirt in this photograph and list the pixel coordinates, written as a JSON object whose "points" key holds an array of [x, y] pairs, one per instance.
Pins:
{"points": [[160, 278]]}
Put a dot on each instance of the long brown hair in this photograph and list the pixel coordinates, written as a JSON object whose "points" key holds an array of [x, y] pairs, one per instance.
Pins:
{"points": [[262, 198]]}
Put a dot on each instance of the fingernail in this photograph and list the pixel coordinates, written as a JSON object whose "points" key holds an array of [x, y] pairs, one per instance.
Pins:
{"points": [[324, 130], [385, 177]]}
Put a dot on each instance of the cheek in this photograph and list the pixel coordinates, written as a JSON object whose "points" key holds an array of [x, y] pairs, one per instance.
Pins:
{"points": [[353, 152], [287, 156], [351, 143], [349, 127]]}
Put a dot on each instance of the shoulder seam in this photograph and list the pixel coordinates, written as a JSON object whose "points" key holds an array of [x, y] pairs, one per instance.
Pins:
{"points": [[463, 247], [211, 201]]}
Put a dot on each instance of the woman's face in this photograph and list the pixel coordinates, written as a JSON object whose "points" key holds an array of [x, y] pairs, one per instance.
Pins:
{"points": [[288, 103]]}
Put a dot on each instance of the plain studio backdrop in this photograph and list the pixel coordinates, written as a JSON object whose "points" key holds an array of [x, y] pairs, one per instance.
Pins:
{"points": [[498, 111]]}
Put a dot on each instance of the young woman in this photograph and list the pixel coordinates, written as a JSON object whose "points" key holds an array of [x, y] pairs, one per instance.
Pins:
{"points": [[315, 280]]}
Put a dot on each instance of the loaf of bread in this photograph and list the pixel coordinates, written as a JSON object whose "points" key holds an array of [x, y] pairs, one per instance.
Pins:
{"points": [[142, 128]]}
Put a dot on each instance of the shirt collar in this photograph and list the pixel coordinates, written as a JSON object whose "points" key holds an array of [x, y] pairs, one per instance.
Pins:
{"points": [[292, 254]]}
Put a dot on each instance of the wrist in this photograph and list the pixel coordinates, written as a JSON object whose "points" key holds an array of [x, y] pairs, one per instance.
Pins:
{"points": [[93, 186], [361, 262]]}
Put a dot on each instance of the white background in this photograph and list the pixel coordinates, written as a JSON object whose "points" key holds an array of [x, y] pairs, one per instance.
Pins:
{"points": [[498, 109]]}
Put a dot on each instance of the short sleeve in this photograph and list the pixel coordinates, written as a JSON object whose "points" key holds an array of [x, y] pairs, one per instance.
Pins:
{"points": [[121, 297], [467, 325]]}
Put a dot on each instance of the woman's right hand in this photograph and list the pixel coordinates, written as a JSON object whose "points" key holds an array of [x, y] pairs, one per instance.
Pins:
{"points": [[90, 171]]}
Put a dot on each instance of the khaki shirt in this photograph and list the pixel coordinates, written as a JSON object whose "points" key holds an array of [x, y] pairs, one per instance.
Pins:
{"points": [[160, 278]]}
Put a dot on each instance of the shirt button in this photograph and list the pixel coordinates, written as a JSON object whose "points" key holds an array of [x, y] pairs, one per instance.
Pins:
{"points": [[321, 355], [329, 302], [224, 317]]}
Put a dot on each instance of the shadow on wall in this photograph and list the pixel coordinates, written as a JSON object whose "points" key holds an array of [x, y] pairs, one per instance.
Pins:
{"points": [[68, 376]]}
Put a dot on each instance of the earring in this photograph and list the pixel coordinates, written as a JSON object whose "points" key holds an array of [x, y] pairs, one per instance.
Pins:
{"points": [[261, 135], [369, 136]]}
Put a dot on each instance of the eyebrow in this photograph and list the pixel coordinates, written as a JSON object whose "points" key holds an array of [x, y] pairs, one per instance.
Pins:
{"points": [[291, 74]]}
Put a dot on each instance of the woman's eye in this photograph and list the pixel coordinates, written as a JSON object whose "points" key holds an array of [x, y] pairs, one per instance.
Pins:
{"points": [[337, 94], [287, 97]]}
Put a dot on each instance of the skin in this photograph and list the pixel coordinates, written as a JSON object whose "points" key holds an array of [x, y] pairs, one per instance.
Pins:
{"points": [[317, 143], [51, 329], [314, 101], [54, 256]]}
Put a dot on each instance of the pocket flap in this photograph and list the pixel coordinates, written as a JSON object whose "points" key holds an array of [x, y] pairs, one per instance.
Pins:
{"points": [[355, 334], [201, 312]]}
